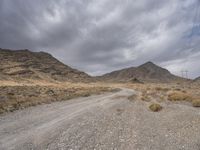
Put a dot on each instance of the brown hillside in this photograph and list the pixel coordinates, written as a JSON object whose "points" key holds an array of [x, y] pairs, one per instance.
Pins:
{"points": [[24, 64], [148, 72]]}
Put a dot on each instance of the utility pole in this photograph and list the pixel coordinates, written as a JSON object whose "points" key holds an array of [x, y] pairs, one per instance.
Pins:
{"points": [[184, 74]]}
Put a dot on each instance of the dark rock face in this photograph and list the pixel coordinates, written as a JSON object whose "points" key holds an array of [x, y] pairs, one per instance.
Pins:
{"points": [[24, 64], [135, 80]]}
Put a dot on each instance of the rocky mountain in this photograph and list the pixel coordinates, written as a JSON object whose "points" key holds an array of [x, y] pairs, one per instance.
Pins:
{"points": [[24, 64], [148, 72]]}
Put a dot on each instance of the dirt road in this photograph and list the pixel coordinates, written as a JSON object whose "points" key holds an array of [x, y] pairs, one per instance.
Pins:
{"points": [[109, 121]]}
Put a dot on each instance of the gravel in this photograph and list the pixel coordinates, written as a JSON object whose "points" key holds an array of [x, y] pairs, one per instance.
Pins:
{"points": [[104, 122]]}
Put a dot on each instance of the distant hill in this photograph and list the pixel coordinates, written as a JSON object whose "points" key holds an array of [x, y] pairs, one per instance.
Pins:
{"points": [[24, 64], [148, 72], [197, 80]]}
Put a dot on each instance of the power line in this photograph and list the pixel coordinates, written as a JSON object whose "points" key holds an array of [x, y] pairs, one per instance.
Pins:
{"points": [[184, 74]]}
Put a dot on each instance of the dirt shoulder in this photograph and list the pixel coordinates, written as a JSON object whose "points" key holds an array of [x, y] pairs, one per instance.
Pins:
{"points": [[14, 96]]}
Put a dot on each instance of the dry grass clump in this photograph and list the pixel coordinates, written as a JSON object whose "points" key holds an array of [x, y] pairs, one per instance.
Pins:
{"points": [[196, 103], [145, 98], [162, 89], [146, 94], [170, 91], [155, 107], [150, 91], [154, 93], [179, 96]]}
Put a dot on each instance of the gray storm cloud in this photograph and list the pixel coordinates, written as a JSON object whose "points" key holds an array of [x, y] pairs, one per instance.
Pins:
{"points": [[99, 36]]}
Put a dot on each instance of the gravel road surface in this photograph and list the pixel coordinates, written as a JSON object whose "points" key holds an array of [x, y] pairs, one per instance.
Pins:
{"points": [[104, 122]]}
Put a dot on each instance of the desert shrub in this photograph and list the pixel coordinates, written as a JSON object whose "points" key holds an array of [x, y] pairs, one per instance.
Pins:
{"points": [[158, 88], [148, 88], [179, 96], [145, 98], [135, 80], [86, 94], [184, 91], [1, 109], [11, 94], [196, 103], [50, 92], [162, 89], [15, 106], [161, 98], [155, 107], [177, 89]]}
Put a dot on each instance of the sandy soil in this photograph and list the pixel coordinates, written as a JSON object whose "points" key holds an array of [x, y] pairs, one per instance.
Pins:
{"points": [[108, 121]]}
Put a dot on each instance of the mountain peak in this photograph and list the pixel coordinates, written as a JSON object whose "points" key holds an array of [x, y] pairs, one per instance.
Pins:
{"points": [[148, 64], [148, 72]]}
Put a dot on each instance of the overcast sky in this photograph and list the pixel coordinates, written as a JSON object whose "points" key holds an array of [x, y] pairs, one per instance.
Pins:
{"points": [[99, 36]]}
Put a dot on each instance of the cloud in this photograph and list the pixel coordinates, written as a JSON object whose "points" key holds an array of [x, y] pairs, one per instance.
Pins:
{"points": [[101, 36]]}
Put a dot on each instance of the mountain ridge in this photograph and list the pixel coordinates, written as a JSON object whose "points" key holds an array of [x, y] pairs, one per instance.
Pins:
{"points": [[147, 72], [25, 64]]}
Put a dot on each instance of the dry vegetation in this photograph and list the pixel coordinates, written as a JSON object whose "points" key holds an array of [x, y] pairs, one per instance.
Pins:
{"points": [[196, 103], [166, 93], [179, 96], [14, 96], [155, 107]]}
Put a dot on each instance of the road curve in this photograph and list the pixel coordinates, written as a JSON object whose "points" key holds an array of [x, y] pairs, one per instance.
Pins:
{"points": [[73, 124], [104, 122]]}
